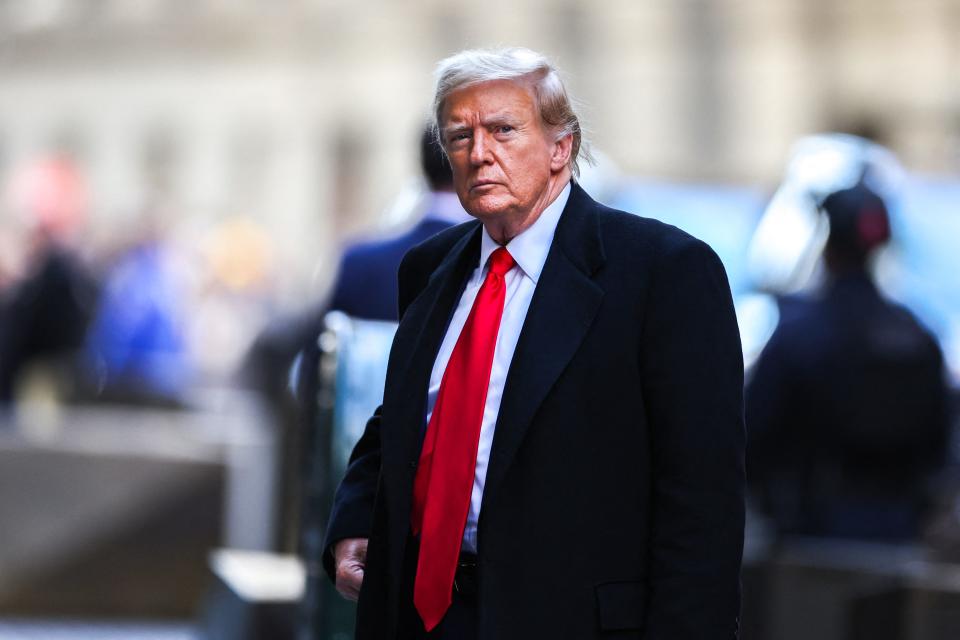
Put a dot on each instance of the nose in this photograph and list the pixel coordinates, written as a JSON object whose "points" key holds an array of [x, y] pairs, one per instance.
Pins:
{"points": [[479, 149]]}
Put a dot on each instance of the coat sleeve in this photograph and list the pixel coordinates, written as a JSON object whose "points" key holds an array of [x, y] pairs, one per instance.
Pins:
{"points": [[692, 367], [352, 512]]}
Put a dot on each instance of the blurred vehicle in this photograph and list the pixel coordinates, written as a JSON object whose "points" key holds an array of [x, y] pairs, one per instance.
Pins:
{"points": [[770, 245], [784, 252]]}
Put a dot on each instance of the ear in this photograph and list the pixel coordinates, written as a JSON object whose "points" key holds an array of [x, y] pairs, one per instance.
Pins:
{"points": [[561, 153]]}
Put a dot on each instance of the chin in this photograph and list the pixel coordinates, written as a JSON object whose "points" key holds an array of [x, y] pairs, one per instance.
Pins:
{"points": [[487, 207]]}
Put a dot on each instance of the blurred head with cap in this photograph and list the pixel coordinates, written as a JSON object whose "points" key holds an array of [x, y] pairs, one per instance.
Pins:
{"points": [[859, 224]]}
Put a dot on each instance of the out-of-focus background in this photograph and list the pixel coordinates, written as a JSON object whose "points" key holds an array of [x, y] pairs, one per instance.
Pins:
{"points": [[179, 179]]}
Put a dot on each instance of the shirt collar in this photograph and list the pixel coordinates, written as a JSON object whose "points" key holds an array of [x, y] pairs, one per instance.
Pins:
{"points": [[530, 248]]}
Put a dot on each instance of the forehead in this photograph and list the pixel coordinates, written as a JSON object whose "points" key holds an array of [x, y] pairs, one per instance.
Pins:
{"points": [[486, 99]]}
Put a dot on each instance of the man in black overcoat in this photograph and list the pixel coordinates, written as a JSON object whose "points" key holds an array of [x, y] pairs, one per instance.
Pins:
{"points": [[606, 485]]}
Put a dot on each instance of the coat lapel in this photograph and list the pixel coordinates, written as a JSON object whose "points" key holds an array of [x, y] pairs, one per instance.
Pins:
{"points": [[560, 314], [419, 336]]}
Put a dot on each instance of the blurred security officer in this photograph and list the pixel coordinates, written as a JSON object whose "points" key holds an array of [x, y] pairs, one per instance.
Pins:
{"points": [[846, 407]]}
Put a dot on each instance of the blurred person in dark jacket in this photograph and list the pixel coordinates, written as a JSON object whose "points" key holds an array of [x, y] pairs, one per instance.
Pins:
{"points": [[366, 285], [847, 404], [44, 315], [45, 311]]}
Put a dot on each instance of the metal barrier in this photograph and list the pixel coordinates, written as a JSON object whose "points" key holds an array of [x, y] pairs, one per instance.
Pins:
{"points": [[350, 369]]}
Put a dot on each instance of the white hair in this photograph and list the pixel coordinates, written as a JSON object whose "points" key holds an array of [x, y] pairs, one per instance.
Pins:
{"points": [[474, 66]]}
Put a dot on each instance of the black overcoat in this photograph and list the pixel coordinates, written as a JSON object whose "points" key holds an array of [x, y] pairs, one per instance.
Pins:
{"points": [[614, 497]]}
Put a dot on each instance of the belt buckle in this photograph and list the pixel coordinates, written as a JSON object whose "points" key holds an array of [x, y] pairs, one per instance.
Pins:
{"points": [[462, 565]]}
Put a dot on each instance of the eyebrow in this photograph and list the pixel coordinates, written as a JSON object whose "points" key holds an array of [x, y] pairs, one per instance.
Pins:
{"points": [[500, 118], [493, 119], [448, 131]]}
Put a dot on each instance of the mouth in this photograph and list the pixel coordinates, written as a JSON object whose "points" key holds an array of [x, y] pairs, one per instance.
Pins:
{"points": [[483, 184]]}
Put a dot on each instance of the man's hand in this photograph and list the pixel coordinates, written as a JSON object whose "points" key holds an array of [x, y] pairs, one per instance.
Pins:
{"points": [[350, 557]]}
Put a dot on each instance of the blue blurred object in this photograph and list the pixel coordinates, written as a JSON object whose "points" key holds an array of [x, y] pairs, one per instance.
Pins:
{"points": [[925, 274], [28, 629], [351, 360], [921, 269], [135, 346], [784, 254], [362, 350]]}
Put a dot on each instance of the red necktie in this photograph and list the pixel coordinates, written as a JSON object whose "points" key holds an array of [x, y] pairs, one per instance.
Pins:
{"points": [[444, 480]]}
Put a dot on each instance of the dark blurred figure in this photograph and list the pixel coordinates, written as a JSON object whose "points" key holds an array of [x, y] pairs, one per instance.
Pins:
{"points": [[44, 315], [847, 404], [366, 285]]}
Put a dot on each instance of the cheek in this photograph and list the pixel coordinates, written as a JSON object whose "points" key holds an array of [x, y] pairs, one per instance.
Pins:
{"points": [[530, 174], [460, 179]]}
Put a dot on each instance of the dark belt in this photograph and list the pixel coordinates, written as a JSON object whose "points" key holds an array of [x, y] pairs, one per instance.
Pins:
{"points": [[465, 577]]}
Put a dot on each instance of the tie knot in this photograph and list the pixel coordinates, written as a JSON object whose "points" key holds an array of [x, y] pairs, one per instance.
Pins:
{"points": [[501, 261]]}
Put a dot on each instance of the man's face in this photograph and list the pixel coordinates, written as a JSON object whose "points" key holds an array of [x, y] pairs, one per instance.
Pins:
{"points": [[498, 149]]}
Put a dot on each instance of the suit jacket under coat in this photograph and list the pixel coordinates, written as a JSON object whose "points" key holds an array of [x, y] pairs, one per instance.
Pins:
{"points": [[366, 285], [613, 504]]}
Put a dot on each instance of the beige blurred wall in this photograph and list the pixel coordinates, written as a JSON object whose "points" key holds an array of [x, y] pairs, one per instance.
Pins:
{"points": [[303, 114]]}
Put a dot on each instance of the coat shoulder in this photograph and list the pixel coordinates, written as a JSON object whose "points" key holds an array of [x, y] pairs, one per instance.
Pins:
{"points": [[629, 234], [424, 258], [428, 255]]}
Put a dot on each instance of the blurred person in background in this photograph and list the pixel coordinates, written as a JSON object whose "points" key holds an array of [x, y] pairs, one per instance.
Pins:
{"points": [[44, 312], [135, 350], [847, 404], [366, 285]]}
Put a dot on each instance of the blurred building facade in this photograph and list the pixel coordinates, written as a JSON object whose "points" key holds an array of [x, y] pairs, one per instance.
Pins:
{"points": [[300, 115]]}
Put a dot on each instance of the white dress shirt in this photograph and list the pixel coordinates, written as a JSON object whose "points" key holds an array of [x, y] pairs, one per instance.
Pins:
{"points": [[529, 251]]}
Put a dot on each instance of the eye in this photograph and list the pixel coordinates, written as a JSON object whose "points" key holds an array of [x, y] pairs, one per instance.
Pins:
{"points": [[505, 128], [457, 136]]}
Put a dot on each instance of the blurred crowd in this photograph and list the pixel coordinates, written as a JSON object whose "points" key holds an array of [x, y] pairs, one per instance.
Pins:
{"points": [[143, 313]]}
